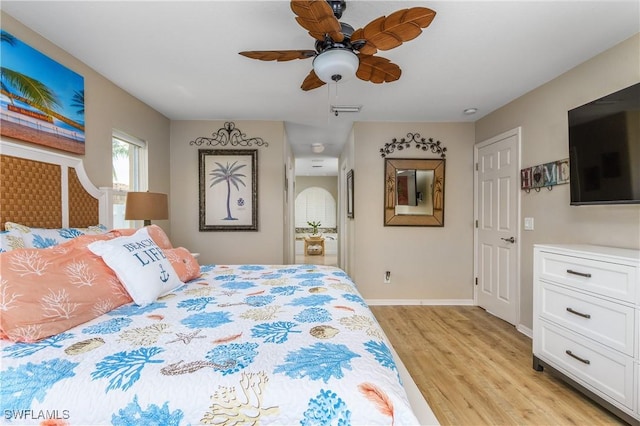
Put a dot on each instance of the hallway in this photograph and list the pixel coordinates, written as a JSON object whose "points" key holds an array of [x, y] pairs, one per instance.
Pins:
{"points": [[330, 260]]}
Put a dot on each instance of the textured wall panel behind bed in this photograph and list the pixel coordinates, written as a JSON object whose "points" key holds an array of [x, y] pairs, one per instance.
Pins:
{"points": [[30, 193], [83, 208]]}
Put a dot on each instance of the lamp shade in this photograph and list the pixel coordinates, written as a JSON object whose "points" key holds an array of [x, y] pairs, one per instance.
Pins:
{"points": [[146, 206], [336, 65]]}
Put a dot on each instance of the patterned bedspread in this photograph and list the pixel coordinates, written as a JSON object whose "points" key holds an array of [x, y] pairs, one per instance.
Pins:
{"points": [[243, 344]]}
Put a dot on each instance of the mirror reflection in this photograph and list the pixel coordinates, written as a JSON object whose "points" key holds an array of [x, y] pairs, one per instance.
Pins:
{"points": [[414, 192]]}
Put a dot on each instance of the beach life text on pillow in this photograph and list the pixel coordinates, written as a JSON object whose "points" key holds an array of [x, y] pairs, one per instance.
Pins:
{"points": [[140, 264]]}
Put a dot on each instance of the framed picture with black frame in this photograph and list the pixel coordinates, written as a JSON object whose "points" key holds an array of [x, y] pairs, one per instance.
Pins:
{"points": [[228, 190], [350, 194]]}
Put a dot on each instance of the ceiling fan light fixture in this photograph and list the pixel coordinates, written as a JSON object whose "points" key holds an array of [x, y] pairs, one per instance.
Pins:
{"points": [[334, 65]]}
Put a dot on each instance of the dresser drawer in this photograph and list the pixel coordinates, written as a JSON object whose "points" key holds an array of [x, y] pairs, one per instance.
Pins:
{"points": [[609, 323], [604, 371], [603, 278]]}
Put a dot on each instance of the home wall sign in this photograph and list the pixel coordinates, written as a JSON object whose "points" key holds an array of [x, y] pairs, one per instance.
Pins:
{"points": [[229, 135], [544, 175]]}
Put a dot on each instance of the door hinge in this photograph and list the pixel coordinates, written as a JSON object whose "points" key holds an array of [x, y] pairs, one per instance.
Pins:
{"points": [[476, 223], [476, 280], [476, 167]]}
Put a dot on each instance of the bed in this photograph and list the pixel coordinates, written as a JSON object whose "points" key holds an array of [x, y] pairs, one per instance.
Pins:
{"points": [[234, 344]]}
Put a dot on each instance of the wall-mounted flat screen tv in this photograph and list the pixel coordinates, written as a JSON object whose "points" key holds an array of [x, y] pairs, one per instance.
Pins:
{"points": [[604, 149]]}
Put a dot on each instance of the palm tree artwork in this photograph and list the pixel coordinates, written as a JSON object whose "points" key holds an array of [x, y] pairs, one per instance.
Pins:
{"points": [[42, 100], [33, 91], [229, 174]]}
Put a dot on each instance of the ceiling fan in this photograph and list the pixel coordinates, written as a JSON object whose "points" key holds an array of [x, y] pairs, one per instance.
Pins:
{"points": [[340, 51]]}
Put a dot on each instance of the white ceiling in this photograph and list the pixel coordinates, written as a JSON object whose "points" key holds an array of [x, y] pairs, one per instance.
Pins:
{"points": [[180, 57]]}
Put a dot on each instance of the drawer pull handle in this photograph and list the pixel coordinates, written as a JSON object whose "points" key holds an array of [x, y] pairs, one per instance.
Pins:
{"points": [[582, 360], [580, 314], [581, 274]]}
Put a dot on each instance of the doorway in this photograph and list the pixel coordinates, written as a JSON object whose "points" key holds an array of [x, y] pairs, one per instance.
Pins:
{"points": [[316, 202], [497, 218]]}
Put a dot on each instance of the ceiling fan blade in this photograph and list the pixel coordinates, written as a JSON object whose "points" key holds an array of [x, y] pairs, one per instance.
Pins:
{"points": [[278, 55], [316, 16], [377, 69], [385, 33], [312, 81]]}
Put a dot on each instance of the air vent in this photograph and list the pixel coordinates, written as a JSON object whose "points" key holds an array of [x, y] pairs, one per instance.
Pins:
{"points": [[336, 109]]}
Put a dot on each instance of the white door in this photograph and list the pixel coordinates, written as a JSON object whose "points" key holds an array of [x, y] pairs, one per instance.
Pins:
{"points": [[497, 217]]}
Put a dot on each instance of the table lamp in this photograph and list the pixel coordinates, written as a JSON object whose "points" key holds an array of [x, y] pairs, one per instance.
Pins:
{"points": [[146, 206]]}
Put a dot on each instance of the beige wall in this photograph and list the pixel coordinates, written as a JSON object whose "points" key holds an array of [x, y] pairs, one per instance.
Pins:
{"points": [[542, 114], [108, 107], [263, 246], [426, 263]]}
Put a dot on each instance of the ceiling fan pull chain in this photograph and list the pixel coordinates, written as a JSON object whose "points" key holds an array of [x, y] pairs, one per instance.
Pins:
{"points": [[328, 104]]}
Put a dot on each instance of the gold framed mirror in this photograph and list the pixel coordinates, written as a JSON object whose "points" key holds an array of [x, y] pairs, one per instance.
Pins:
{"points": [[414, 192]]}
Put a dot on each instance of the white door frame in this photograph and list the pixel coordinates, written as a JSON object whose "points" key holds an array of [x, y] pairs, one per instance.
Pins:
{"points": [[342, 217], [517, 132]]}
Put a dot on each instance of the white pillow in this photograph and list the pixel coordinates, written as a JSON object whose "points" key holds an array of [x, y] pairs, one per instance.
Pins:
{"points": [[140, 265]]}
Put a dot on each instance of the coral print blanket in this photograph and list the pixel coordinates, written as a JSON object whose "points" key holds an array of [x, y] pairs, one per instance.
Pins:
{"points": [[242, 344]]}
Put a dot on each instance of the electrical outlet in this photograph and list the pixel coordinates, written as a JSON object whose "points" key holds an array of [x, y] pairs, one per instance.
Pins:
{"points": [[387, 277]]}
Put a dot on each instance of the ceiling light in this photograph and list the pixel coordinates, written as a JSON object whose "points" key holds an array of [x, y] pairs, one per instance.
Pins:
{"points": [[334, 65], [317, 148], [470, 111]]}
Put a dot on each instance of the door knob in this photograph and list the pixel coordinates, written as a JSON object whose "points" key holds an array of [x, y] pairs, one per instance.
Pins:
{"points": [[509, 240]]}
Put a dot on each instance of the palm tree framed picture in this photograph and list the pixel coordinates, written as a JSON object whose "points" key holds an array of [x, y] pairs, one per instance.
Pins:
{"points": [[42, 101], [228, 189]]}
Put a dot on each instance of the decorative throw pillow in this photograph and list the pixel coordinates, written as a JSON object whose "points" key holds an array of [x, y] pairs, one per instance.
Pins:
{"points": [[155, 232], [10, 239], [48, 291], [43, 237], [141, 266], [185, 265]]}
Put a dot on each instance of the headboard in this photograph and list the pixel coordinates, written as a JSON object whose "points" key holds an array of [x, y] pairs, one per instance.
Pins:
{"points": [[46, 189]]}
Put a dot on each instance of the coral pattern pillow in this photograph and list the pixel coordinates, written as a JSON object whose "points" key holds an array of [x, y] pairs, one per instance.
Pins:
{"points": [[140, 264], [10, 240], [48, 291], [43, 237], [185, 265]]}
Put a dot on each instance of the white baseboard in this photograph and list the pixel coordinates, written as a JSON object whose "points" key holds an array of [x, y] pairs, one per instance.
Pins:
{"points": [[425, 302], [525, 330]]}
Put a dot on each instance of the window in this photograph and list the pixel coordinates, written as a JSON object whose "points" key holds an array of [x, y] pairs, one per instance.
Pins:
{"points": [[129, 159]]}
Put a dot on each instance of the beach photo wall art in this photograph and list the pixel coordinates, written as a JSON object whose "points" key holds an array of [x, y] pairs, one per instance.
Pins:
{"points": [[41, 100]]}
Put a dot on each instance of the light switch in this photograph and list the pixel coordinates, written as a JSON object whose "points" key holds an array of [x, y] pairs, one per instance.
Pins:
{"points": [[528, 224]]}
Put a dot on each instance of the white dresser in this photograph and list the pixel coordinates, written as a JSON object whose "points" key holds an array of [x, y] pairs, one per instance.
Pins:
{"points": [[586, 321]]}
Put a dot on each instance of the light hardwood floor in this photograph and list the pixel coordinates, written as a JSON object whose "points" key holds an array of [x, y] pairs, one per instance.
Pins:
{"points": [[475, 369], [329, 260]]}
